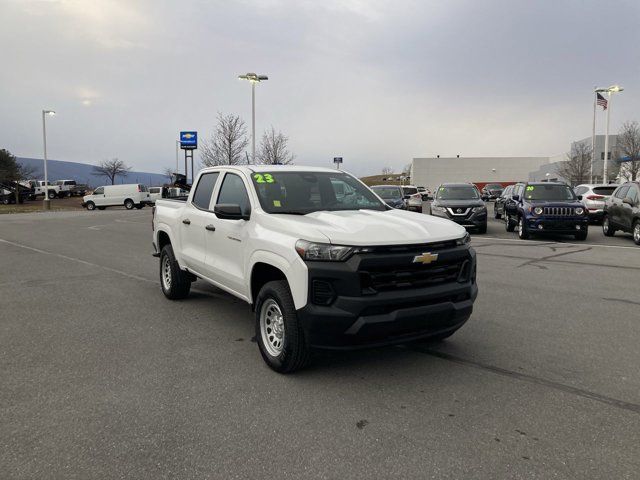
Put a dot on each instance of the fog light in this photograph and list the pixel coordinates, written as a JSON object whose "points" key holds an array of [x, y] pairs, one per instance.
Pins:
{"points": [[577, 227], [540, 227]]}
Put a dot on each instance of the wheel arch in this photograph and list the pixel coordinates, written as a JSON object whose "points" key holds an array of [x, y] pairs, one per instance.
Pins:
{"points": [[267, 266]]}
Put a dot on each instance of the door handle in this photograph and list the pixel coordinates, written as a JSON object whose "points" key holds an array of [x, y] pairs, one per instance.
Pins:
{"points": [[211, 228], [186, 221]]}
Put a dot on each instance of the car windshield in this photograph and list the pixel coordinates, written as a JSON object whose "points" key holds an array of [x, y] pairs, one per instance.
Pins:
{"points": [[409, 190], [307, 192], [457, 192], [493, 186], [548, 192], [388, 193]]}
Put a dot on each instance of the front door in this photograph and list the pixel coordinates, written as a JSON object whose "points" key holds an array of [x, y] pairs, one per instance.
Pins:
{"points": [[226, 245]]}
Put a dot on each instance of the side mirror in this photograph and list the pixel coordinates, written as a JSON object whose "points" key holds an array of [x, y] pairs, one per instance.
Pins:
{"points": [[515, 197], [229, 211], [579, 197]]}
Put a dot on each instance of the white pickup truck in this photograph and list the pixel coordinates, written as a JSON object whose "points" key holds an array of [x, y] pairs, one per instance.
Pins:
{"points": [[323, 261]]}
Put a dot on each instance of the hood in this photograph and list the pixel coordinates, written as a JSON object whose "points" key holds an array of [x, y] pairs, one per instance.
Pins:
{"points": [[555, 203], [365, 227], [458, 203]]}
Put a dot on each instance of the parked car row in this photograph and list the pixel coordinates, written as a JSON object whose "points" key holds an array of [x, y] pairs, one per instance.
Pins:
{"points": [[406, 197]]}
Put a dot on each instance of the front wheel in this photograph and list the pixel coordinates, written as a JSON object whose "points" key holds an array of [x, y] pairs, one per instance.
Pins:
{"points": [[279, 334], [497, 215], [91, 206], [482, 229], [51, 194], [523, 231], [607, 228], [582, 236], [509, 225], [174, 281], [636, 232]]}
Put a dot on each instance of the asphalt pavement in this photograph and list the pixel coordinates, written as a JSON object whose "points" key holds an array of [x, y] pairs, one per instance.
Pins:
{"points": [[102, 377]]}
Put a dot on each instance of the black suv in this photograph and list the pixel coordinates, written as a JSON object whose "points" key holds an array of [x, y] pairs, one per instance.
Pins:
{"points": [[546, 207], [622, 211], [498, 206], [461, 203]]}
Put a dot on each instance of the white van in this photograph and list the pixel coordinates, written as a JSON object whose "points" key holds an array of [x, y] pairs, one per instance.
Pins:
{"points": [[130, 195], [155, 193]]}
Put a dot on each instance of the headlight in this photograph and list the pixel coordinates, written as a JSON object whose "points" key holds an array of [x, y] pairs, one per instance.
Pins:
{"points": [[464, 240], [322, 251], [538, 211], [438, 209], [483, 208], [579, 211]]}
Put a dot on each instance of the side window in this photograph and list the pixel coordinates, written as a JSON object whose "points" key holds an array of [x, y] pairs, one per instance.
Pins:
{"points": [[633, 195], [581, 190], [99, 191], [621, 192], [204, 190], [234, 192]]}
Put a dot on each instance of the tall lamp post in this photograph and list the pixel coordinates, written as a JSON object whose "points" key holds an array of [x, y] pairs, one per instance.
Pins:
{"points": [[46, 205], [253, 78], [608, 91]]}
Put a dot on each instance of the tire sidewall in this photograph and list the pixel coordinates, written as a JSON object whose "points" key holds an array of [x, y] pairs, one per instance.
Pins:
{"points": [[91, 206], [128, 204]]}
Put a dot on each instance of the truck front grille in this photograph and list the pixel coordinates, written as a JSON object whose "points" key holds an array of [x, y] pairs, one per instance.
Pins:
{"points": [[559, 211]]}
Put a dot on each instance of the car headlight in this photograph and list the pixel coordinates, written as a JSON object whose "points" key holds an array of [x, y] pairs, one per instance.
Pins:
{"points": [[322, 251], [438, 209], [539, 210], [579, 211], [463, 240], [482, 208]]}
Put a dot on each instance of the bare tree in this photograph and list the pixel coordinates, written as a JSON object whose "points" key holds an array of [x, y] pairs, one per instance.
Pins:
{"points": [[168, 172], [577, 167], [111, 169], [273, 149], [629, 146], [13, 172], [227, 144], [387, 171]]}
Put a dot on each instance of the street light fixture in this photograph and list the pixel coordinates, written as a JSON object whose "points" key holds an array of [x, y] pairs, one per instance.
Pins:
{"points": [[608, 91], [253, 78], [46, 205]]}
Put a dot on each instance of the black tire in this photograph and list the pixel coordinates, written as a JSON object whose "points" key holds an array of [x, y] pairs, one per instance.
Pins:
{"points": [[636, 232], [496, 215], [174, 281], [294, 352], [91, 206], [483, 229], [101, 208], [523, 231], [508, 224], [51, 194], [582, 236], [128, 204], [607, 229]]}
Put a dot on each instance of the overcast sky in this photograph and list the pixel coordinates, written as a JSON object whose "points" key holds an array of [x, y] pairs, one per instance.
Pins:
{"points": [[375, 82]]}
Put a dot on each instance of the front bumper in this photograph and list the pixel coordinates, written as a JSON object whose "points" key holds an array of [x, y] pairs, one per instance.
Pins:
{"points": [[561, 225], [476, 220], [359, 316]]}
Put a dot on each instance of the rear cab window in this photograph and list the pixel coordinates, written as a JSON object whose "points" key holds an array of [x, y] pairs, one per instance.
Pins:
{"points": [[204, 190]]}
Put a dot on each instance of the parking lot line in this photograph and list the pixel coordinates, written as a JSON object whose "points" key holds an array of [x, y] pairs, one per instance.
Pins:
{"points": [[527, 242]]}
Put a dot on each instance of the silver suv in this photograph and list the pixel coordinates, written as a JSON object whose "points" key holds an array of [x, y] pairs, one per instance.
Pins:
{"points": [[594, 196]]}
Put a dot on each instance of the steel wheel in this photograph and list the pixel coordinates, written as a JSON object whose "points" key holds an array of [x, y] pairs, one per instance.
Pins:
{"points": [[166, 273], [272, 327]]}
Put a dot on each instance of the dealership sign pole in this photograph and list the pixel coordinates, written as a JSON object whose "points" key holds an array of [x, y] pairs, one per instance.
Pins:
{"points": [[188, 143]]}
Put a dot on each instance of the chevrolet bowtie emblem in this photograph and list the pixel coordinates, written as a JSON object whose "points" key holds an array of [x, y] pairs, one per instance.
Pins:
{"points": [[425, 258]]}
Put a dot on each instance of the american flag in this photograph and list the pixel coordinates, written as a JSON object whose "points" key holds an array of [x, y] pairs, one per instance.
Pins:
{"points": [[600, 100]]}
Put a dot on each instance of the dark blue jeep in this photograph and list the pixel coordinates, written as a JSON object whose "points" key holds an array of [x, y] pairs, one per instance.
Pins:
{"points": [[546, 207]]}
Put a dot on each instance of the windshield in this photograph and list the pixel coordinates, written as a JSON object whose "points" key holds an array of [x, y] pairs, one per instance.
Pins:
{"points": [[409, 190], [307, 192], [388, 193], [493, 186], [457, 192], [548, 192]]}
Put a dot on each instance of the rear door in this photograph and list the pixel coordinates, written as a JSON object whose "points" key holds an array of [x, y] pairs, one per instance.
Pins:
{"points": [[616, 205], [195, 217], [627, 207], [225, 246]]}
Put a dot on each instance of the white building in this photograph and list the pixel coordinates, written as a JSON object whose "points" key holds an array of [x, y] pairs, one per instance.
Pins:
{"points": [[431, 172]]}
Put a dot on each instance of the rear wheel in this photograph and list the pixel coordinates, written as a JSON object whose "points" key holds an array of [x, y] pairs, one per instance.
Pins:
{"points": [[101, 208], [497, 215], [509, 225], [607, 228], [279, 334], [636, 232], [51, 194], [174, 281], [128, 204], [91, 206], [523, 231]]}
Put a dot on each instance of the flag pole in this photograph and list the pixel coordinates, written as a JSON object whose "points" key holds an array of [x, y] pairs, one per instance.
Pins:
{"points": [[605, 177], [593, 133]]}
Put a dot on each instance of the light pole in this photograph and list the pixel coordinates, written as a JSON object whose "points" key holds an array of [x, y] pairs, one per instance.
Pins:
{"points": [[46, 205], [608, 91], [253, 78], [177, 150]]}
